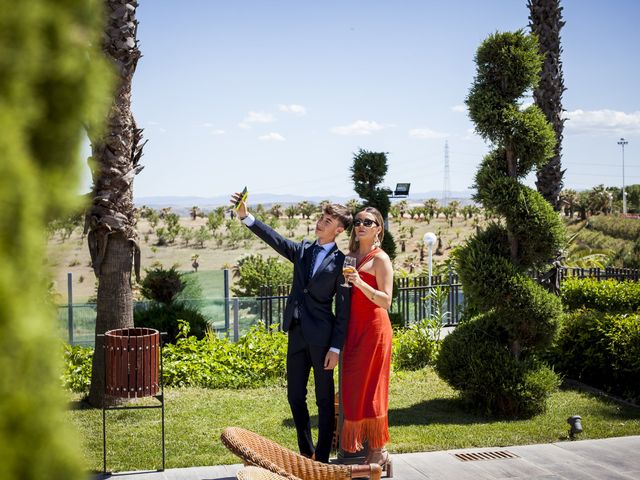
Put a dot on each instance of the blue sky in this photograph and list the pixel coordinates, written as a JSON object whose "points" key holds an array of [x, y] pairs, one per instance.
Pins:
{"points": [[278, 95]]}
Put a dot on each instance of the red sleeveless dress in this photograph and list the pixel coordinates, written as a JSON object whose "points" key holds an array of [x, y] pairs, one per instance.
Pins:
{"points": [[366, 365]]}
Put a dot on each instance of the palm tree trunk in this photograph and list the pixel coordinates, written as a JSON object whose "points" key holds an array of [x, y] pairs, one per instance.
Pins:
{"points": [[545, 20], [112, 238]]}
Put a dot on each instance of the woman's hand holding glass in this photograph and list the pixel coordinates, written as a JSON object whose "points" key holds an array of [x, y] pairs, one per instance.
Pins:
{"points": [[349, 270]]}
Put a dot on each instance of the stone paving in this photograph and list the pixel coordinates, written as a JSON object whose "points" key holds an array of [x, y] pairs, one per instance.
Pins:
{"points": [[606, 459]]}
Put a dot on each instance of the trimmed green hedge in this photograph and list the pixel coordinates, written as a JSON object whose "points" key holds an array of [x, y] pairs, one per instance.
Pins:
{"points": [[602, 350], [607, 295]]}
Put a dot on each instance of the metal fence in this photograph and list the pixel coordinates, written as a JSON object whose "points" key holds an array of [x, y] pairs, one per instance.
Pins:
{"points": [[412, 294], [231, 317]]}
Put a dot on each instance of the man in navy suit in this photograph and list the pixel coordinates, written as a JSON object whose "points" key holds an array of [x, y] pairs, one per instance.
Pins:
{"points": [[316, 333]]}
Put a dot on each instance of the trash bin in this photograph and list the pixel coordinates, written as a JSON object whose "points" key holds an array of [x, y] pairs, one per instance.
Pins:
{"points": [[132, 362]]}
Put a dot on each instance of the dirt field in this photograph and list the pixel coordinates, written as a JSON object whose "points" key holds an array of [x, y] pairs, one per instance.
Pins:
{"points": [[72, 255]]}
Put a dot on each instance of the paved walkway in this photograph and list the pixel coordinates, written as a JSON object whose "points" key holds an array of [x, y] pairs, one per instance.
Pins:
{"points": [[607, 459]]}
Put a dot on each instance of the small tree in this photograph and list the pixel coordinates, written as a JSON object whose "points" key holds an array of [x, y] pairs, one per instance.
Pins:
{"points": [[493, 358], [254, 271], [368, 172]]}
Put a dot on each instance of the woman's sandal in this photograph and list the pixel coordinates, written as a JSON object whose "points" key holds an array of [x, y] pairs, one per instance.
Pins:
{"points": [[386, 462]]}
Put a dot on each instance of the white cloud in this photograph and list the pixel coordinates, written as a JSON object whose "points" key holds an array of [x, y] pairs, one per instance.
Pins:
{"points": [[602, 122], [459, 108], [272, 136], [218, 131], [207, 125], [426, 133], [258, 117], [298, 110], [244, 125], [359, 127]]}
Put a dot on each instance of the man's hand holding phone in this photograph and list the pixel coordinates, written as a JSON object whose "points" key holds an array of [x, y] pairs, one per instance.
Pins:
{"points": [[238, 201]]}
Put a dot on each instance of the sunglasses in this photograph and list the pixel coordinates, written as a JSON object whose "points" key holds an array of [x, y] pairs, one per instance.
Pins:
{"points": [[367, 222]]}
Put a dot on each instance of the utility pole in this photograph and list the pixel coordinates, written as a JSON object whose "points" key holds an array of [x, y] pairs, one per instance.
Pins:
{"points": [[622, 142], [446, 186]]}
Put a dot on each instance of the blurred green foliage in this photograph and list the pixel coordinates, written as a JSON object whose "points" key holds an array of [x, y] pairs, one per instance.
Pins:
{"points": [[53, 80]]}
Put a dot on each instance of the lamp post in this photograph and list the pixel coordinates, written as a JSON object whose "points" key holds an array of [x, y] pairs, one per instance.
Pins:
{"points": [[429, 240], [622, 142]]}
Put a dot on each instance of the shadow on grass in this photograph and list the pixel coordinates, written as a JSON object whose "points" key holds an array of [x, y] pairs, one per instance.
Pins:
{"points": [[442, 411]]}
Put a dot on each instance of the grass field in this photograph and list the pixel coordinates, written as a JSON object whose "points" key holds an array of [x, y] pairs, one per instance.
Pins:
{"points": [[72, 255], [424, 415]]}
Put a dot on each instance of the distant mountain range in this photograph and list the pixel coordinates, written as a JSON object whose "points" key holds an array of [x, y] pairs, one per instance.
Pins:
{"points": [[186, 202]]}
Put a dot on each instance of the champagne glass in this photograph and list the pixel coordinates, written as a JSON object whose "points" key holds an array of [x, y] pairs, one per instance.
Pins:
{"points": [[349, 266]]}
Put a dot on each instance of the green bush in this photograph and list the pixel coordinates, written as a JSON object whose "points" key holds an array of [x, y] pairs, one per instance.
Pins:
{"points": [[601, 349], [254, 271], [55, 87], [474, 360], [414, 347], [607, 295], [257, 359], [77, 368], [164, 318], [162, 285]]}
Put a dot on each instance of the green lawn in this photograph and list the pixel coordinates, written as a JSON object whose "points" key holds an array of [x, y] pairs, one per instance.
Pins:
{"points": [[424, 415]]}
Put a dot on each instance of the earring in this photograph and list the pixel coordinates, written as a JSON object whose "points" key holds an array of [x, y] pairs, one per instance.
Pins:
{"points": [[377, 242]]}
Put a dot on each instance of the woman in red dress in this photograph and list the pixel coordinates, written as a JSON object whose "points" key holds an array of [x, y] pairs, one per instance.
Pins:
{"points": [[366, 360]]}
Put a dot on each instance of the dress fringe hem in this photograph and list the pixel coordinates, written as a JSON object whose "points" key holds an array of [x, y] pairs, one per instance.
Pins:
{"points": [[354, 433]]}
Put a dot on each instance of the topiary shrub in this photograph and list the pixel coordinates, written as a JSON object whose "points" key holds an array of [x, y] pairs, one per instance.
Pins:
{"points": [[607, 295], [492, 358]]}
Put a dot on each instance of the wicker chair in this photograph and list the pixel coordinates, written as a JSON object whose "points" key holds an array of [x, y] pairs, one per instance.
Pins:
{"points": [[256, 450], [257, 473]]}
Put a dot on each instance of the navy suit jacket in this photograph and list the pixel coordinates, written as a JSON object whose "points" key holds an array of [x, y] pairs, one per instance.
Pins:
{"points": [[314, 297]]}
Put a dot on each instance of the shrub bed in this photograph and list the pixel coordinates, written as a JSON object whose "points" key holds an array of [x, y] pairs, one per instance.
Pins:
{"points": [[625, 228], [602, 350], [257, 359]]}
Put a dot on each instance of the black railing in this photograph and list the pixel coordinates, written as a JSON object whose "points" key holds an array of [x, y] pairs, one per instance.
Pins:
{"points": [[413, 300], [416, 300]]}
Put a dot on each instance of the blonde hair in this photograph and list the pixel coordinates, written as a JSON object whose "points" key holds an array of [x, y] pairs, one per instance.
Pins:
{"points": [[353, 244]]}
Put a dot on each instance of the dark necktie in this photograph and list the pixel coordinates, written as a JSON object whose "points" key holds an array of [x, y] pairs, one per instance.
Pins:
{"points": [[314, 257]]}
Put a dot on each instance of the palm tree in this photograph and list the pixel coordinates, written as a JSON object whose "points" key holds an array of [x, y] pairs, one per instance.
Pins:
{"points": [[432, 207], [353, 205], [306, 209], [454, 205], [545, 17], [568, 200], [113, 239], [276, 210], [598, 200]]}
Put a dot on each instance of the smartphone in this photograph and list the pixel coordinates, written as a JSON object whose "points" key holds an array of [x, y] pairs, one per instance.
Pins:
{"points": [[243, 196]]}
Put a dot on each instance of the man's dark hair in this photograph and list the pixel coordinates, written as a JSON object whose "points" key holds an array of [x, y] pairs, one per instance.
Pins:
{"points": [[340, 213]]}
